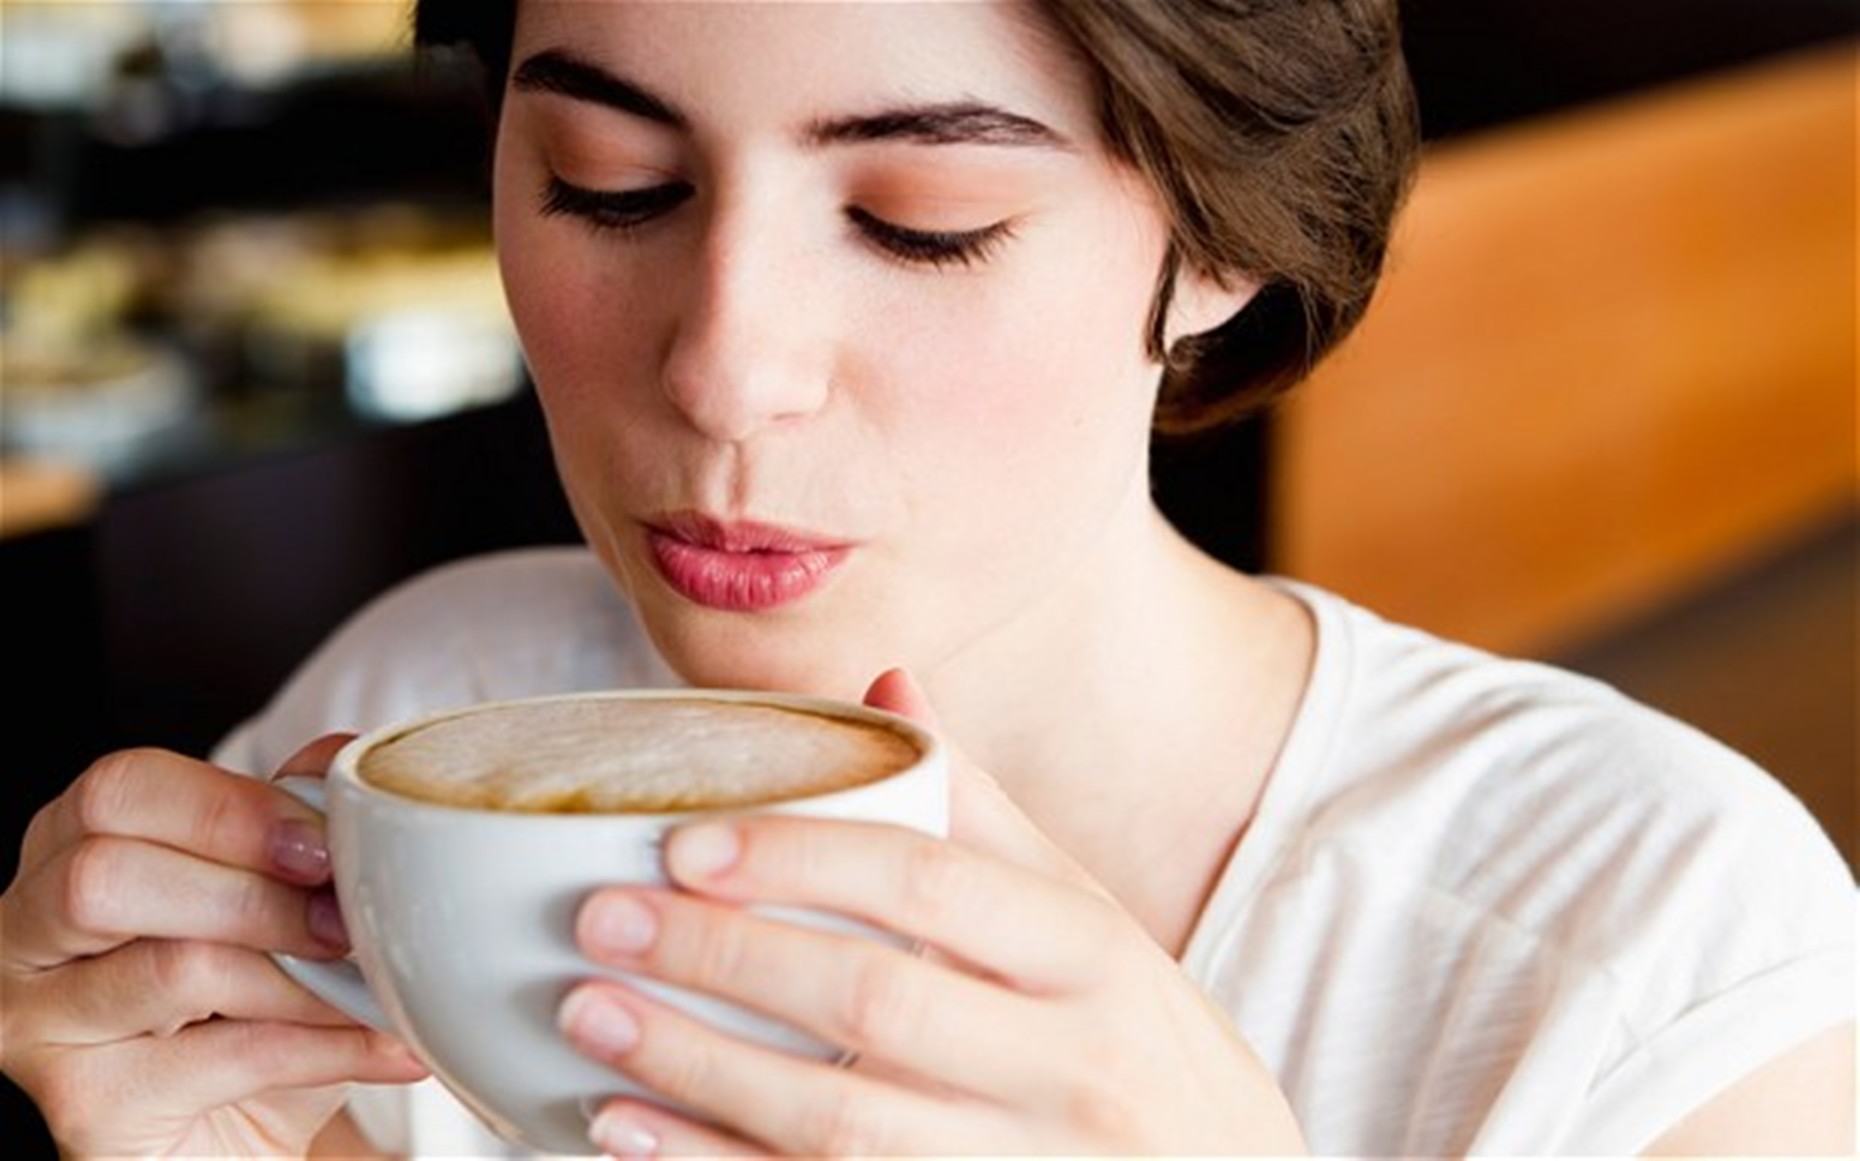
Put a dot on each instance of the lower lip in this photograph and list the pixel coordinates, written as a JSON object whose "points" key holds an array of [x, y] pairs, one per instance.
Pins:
{"points": [[741, 582]]}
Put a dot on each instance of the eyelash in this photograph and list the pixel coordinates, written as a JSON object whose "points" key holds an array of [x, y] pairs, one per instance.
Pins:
{"points": [[625, 210], [620, 210], [933, 248]]}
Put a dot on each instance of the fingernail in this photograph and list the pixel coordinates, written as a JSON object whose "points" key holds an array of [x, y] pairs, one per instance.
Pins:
{"points": [[619, 925], [324, 919], [702, 850], [620, 1133], [393, 1052], [598, 1024], [297, 848]]}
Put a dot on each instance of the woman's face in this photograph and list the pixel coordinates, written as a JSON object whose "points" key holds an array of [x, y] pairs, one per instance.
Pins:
{"points": [[837, 313]]}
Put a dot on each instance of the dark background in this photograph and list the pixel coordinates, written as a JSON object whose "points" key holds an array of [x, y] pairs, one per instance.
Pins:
{"points": [[208, 573]]}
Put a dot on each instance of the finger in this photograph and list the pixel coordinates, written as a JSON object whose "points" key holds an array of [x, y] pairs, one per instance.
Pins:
{"points": [[628, 1130], [314, 759], [165, 798], [108, 891], [982, 815], [168, 1081], [896, 691], [223, 1061], [158, 987], [1038, 933], [787, 1104], [887, 1005]]}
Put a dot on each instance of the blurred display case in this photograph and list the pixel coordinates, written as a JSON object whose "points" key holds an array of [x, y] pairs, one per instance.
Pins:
{"points": [[228, 224], [254, 360]]}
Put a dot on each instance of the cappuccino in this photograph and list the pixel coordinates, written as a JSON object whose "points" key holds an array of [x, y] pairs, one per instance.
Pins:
{"points": [[634, 755], [463, 920]]}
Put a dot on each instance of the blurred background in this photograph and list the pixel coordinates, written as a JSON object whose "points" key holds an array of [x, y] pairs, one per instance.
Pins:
{"points": [[254, 366]]}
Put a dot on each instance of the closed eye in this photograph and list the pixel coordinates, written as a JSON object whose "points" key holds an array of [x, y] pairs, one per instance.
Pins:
{"points": [[620, 210], [629, 209], [933, 248]]}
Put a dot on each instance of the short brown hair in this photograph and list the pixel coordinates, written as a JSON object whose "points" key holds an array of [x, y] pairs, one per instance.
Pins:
{"points": [[1282, 135]]}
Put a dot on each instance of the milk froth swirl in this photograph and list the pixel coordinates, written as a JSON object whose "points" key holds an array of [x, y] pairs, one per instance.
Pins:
{"points": [[648, 755]]}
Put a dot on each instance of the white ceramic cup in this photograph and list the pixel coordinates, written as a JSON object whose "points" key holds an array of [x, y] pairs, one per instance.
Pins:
{"points": [[462, 920]]}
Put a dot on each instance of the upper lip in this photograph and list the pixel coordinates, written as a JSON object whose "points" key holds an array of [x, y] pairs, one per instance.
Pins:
{"points": [[722, 535]]}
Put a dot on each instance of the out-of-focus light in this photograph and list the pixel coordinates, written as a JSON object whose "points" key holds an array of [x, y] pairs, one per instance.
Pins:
{"points": [[420, 364], [62, 55]]}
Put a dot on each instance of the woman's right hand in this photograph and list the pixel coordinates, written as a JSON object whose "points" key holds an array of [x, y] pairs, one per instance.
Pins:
{"points": [[141, 1011]]}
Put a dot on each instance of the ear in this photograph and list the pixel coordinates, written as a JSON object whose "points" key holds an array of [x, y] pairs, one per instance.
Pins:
{"points": [[1203, 301]]}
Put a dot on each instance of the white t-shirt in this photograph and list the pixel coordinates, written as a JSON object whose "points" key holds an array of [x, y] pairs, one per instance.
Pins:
{"points": [[1486, 906]]}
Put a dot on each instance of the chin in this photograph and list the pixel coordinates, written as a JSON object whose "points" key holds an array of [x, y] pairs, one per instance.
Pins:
{"points": [[737, 653]]}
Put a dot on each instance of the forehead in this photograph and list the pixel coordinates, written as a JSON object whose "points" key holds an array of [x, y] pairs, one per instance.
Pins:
{"points": [[769, 63]]}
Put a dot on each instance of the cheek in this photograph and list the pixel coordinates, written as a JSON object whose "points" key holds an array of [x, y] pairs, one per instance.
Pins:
{"points": [[548, 299], [1049, 367], [1033, 432], [1057, 420], [573, 360], [561, 296], [589, 357], [525, 259]]}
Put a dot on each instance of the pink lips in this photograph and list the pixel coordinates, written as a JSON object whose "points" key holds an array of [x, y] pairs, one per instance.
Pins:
{"points": [[740, 567]]}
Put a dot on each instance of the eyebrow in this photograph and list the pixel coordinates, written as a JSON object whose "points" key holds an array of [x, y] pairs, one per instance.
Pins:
{"points": [[940, 123], [555, 71], [946, 123]]}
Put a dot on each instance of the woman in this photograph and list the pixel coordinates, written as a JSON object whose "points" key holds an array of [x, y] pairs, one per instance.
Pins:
{"points": [[850, 322]]}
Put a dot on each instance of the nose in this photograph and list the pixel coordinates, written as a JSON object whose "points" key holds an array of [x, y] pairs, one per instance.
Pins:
{"points": [[748, 350]]}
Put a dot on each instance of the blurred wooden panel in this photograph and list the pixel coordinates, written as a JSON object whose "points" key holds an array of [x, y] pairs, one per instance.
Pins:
{"points": [[1614, 356]]}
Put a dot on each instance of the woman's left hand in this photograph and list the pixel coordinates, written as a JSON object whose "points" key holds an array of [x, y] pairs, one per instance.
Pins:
{"points": [[1043, 1019]]}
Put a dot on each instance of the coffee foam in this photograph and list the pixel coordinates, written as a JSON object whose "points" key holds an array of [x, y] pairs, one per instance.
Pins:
{"points": [[634, 755]]}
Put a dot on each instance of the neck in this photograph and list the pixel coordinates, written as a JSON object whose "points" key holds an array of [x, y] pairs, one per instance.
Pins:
{"points": [[1135, 715]]}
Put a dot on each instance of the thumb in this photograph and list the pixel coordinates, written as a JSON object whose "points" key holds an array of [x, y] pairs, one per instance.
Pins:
{"points": [[982, 815], [314, 758], [896, 691]]}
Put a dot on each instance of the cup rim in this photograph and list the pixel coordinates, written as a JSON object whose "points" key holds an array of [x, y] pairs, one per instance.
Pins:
{"points": [[345, 767]]}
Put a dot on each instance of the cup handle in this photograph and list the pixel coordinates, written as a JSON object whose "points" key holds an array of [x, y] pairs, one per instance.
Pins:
{"points": [[338, 982]]}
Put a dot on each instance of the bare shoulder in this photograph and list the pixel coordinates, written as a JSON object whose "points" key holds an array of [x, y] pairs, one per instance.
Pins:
{"points": [[1800, 1104]]}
